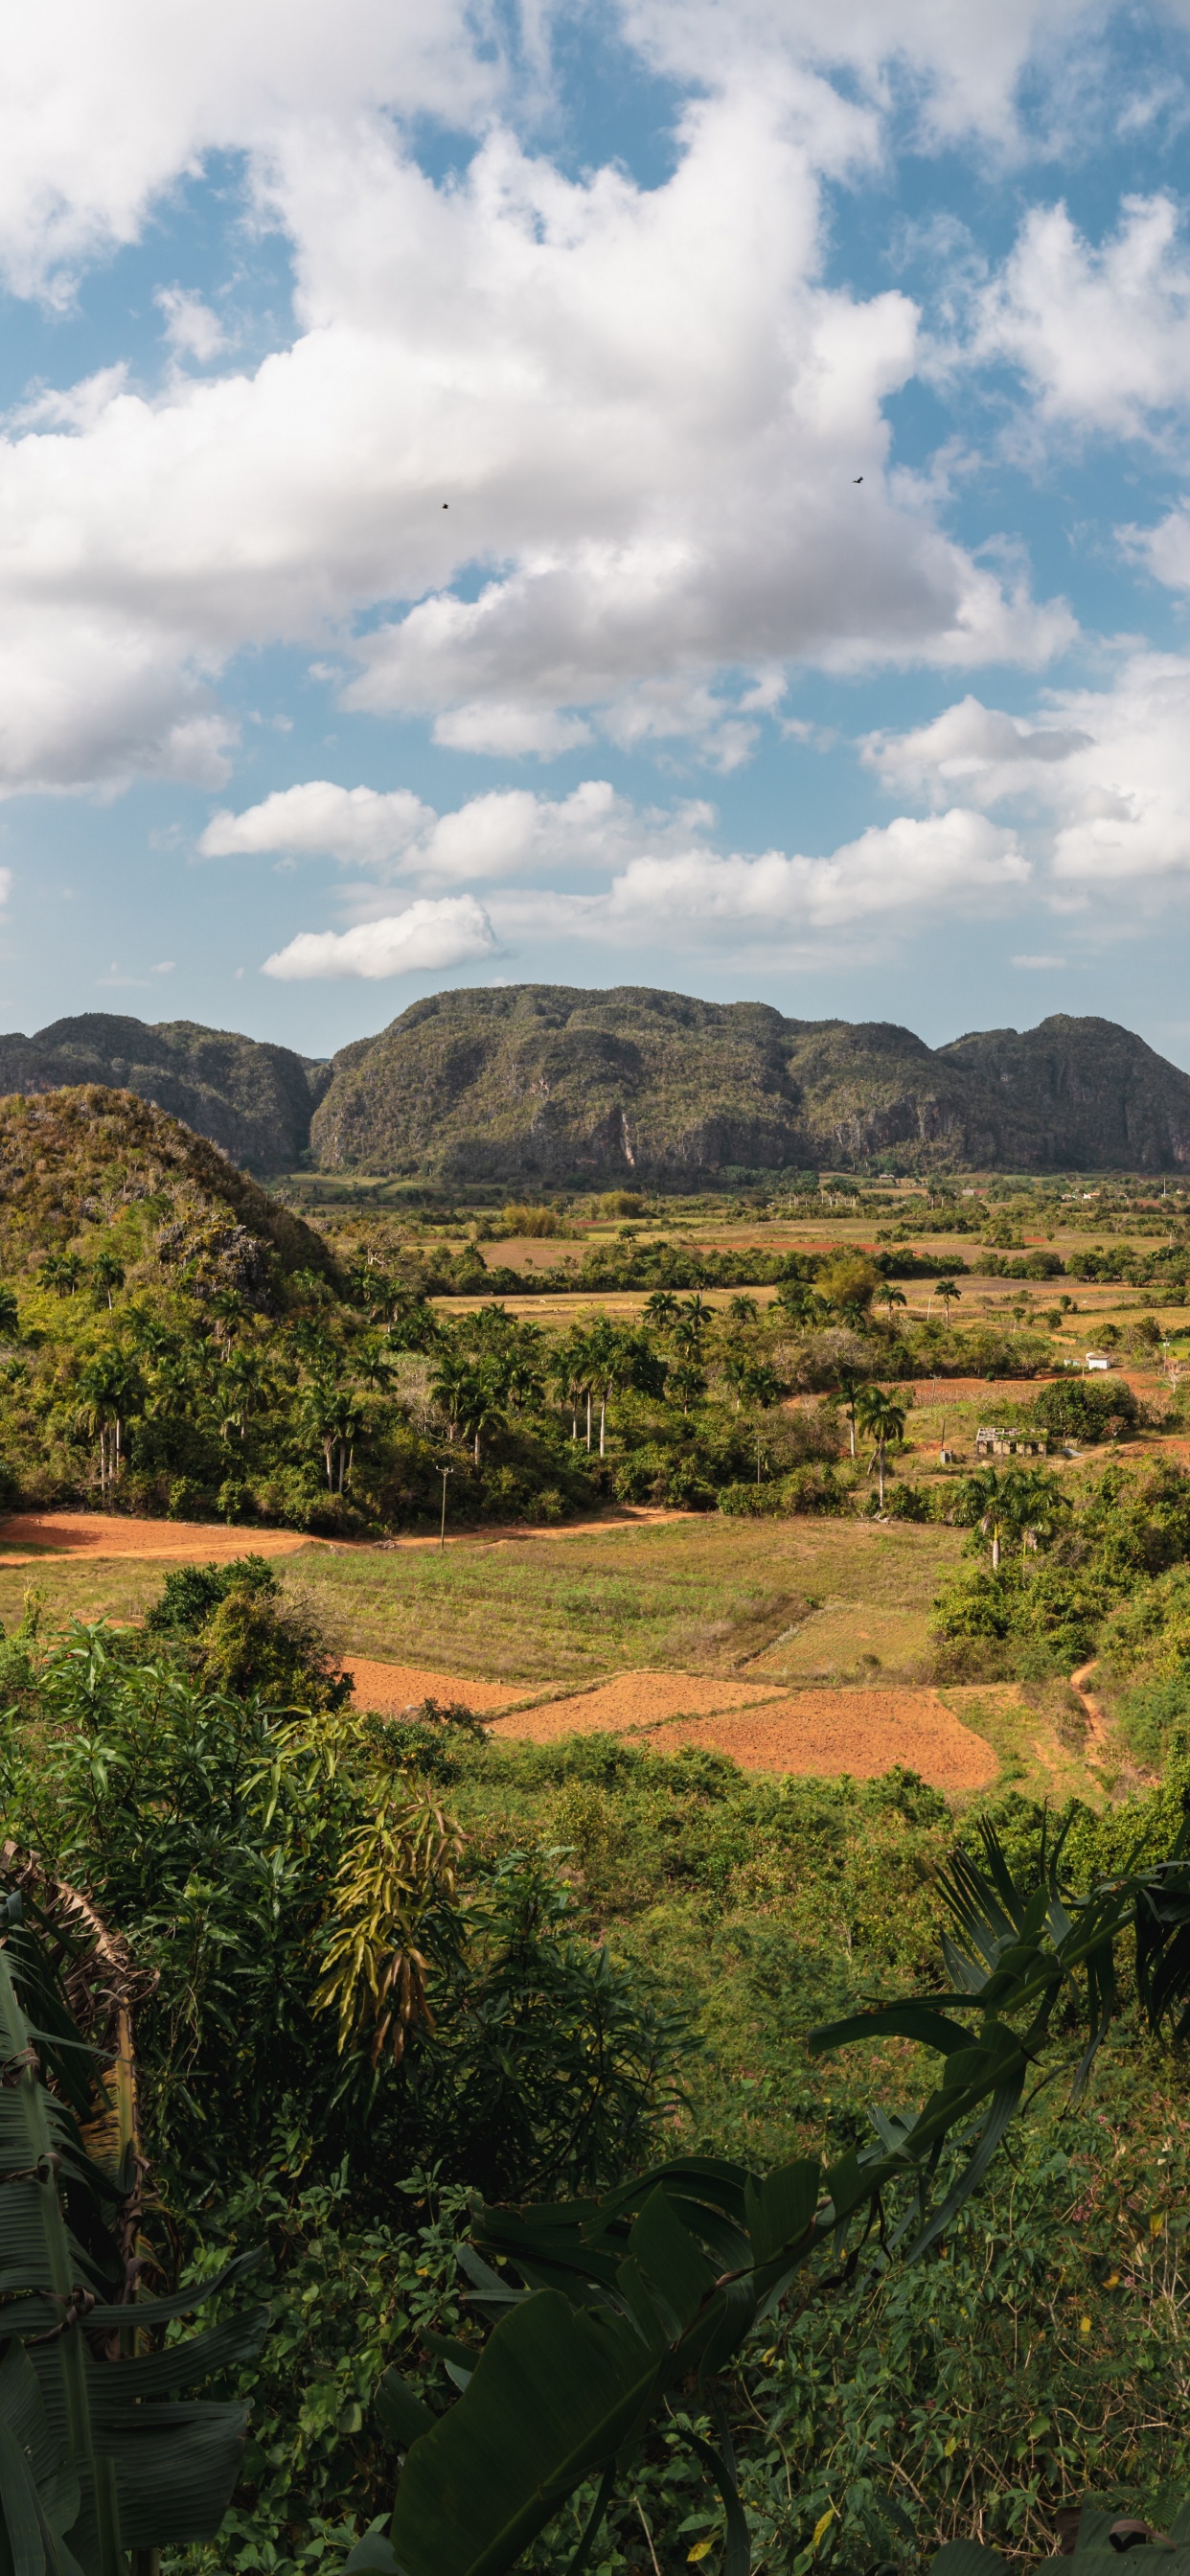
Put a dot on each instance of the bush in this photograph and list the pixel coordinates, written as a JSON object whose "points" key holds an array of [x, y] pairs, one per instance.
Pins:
{"points": [[1082, 1408], [810, 1488], [520, 1219]]}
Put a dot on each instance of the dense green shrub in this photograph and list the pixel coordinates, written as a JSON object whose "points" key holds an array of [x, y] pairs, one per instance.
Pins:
{"points": [[1083, 1408]]}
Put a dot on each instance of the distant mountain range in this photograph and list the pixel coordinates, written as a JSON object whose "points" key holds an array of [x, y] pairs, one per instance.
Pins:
{"points": [[541, 1085], [253, 1100]]}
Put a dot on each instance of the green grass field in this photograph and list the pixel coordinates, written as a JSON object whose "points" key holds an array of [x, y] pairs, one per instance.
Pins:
{"points": [[697, 1595]]}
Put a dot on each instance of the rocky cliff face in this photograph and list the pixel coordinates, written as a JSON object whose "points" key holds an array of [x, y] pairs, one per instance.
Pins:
{"points": [[252, 1099], [542, 1084]]}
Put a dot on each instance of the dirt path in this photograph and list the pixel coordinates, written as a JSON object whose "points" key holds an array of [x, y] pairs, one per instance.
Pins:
{"points": [[1097, 1726], [27, 1538]]}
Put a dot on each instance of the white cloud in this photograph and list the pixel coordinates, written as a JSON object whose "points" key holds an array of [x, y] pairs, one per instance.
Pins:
{"points": [[507, 831], [962, 66], [1165, 549], [949, 860], [191, 328], [104, 103], [1031, 964], [974, 750], [427, 937], [1101, 335], [659, 880], [319, 820], [1108, 766], [643, 407]]}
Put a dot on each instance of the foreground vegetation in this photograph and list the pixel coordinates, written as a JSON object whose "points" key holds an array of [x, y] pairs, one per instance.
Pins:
{"points": [[623, 1955]]}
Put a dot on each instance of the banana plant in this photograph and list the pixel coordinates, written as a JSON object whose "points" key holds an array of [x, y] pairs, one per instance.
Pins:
{"points": [[99, 2457], [604, 2310]]}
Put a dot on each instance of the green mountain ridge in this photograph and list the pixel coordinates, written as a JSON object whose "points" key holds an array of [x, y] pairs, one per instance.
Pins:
{"points": [[543, 1085], [249, 1097]]}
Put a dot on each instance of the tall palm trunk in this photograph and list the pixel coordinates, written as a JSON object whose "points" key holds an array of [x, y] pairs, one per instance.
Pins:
{"points": [[603, 1424], [588, 1417]]}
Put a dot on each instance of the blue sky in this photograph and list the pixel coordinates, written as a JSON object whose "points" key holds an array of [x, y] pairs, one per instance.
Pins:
{"points": [[807, 619]]}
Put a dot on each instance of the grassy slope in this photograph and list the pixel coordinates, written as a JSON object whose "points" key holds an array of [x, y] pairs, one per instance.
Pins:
{"points": [[85, 1163]]}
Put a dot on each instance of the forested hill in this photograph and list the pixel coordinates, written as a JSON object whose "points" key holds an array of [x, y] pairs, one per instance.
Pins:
{"points": [[97, 1168], [547, 1085], [252, 1099], [543, 1083]]}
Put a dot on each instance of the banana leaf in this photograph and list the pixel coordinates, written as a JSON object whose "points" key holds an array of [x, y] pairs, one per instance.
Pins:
{"points": [[119, 2461]]}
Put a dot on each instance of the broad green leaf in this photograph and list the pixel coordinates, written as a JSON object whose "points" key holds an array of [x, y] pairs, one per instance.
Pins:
{"points": [[556, 2393], [400, 2413]]}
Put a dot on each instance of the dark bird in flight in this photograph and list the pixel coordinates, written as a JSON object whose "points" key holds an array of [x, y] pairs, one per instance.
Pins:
{"points": [[446, 505], [856, 478]]}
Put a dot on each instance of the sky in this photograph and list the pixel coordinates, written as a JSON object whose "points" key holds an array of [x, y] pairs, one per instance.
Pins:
{"points": [[672, 493]]}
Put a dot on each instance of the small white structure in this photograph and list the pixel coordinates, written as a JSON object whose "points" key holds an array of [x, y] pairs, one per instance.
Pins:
{"points": [[1098, 1360]]}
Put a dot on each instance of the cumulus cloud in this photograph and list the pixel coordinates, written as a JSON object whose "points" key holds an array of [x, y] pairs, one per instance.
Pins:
{"points": [[643, 407], [961, 67], [1101, 334], [505, 832], [104, 103], [660, 881], [1108, 766], [428, 937], [952, 860]]}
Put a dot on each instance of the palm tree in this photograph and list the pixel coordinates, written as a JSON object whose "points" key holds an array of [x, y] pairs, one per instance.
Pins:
{"points": [[849, 1389], [109, 1387], [889, 1296], [336, 1418], [479, 1406], [762, 1385], [63, 1271], [570, 1377], [697, 1312], [228, 1311], [949, 1293], [737, 1369], [10, 1320], [608, 1356], [802, 1303], [1032, 1503], [687, 1383], [742, 1310], [660, 1309], [245, 1376], [107, 1271], [448, 1385], [985, 1493], [883, 1419]]}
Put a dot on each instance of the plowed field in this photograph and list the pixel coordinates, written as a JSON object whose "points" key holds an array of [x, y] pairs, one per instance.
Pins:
{"points": [[631, 1701], [826, 1732], [390, 1688]]}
